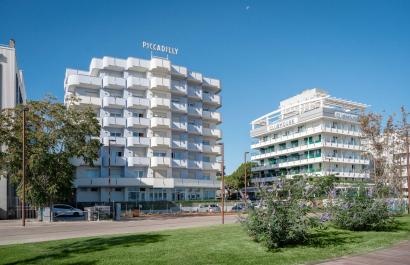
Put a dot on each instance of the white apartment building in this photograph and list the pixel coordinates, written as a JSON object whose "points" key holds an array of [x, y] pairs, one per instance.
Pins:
{"points": [[160, 123], [311, 133], [12, 93]]}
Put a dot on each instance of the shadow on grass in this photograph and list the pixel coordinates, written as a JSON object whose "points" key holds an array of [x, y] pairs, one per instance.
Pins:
{"points": [[325, 238], [87, 246]]}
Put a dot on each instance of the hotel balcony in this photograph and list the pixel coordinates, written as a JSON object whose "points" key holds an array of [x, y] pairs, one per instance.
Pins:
{"points": [[182, 163], [196, 147], [212, 149], [160, 65], [179, 87], [212, 132], [177, 125], [195, 111], [135, 64], [115, 141], [80, 162], [114, 64], [113, 82], [179, 107], [85, 81], [160, 103], [179, 144], [160, 83], [211, 99], [113, 102], [211, 166], [194, 92], [158, 122], [113, 122], [200, 183], [88, 101], [137, 122], [195, 129], [160, 162], [195, 77], [137, 103], [211, 116], [194, 164], [160, 142], [138, 142], [137, 83], [95, 66], [115, 161], [179, 71], [138, 161], [214, 84]]}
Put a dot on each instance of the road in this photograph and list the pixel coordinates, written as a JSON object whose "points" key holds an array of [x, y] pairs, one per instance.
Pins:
{"points": [[11, 231]]}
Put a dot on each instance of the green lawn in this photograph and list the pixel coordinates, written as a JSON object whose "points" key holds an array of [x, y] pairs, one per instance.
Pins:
{"points": [[227, 244]]}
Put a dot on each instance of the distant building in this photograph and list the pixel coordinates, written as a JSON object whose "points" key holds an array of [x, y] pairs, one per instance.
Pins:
{"points": [[311, 134], [12, 93], [159, 122]]}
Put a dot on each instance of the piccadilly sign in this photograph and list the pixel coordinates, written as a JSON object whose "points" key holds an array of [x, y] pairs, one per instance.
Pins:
{"points": [[159, 48], [282, 124], [346, 116]]}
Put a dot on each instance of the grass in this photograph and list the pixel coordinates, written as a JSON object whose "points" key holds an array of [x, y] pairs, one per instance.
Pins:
{"points": [[226, 244]]}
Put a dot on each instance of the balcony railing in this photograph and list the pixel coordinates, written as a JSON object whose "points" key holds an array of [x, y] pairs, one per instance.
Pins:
{"points": [[179, 71], [160, 162], [212, 83], [183, 163], [181, 182], [113, 82], [179, 86], [160, 103], [138, 83], [136, 64], [83, 81], [88, 101], [115, 64], [195, 147], [211, 166], [138, 161], [137, 141], [158, 122], [177, 125], [195, 77], [211, 99], [179, 144], [195, 129], [157, 141], [194, 164], [113, 102], [212, 132], [160, 83], [215, 149], [113, 122], [115, 141], [211, 115], [137, 122], [137, 103], [179, 106], [160, 65], [194, 92]]}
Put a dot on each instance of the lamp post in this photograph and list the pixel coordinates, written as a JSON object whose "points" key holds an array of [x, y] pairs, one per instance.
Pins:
{"points": [[246, 180], [23, 197], [223, 182]]}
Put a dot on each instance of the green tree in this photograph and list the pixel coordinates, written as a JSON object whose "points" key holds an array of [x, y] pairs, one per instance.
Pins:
{"points": [[236, 181], [54, 135]]}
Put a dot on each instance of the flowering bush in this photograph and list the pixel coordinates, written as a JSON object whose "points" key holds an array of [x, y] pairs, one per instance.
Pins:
{"points": [[362, 212]]}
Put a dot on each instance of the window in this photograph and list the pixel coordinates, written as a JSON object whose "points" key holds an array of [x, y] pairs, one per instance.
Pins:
{"points": [[138, 114], [115, 114], [94, 189], [138, 134], [119, 154], [118, 189], [115, 134]]}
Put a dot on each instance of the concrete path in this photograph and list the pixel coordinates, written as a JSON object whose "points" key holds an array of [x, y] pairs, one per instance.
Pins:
{"points": [[396, 255], [11, 231]]}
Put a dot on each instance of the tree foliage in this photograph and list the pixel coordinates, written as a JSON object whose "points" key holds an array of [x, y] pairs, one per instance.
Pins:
{"points": [[236, 180], [54, 135]]}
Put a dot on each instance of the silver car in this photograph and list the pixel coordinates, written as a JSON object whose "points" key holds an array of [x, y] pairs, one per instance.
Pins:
{"points": [[66, 210], [211, 208]]}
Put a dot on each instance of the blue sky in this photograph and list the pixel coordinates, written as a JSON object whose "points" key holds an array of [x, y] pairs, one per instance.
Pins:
{"points": [[263, 51]]}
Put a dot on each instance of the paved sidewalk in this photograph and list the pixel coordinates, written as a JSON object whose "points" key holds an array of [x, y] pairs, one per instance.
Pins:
{"points": [[11, 232], [396, 255]]}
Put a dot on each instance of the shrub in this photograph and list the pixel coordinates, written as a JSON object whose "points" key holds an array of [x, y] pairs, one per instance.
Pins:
{"points": [[362, 212]]}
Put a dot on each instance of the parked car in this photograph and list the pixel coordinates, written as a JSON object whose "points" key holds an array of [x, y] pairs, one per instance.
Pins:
{"points": [[238, 207], [66, 210], [209, 208]]}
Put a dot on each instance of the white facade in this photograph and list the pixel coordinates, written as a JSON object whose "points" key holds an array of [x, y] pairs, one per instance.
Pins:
{"points": [[311, 133], [161, 121], [12, 93]]}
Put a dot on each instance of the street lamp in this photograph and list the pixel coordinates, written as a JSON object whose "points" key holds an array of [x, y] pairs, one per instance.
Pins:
{"points": [[223, 182], [23, 199], [246, 180]]}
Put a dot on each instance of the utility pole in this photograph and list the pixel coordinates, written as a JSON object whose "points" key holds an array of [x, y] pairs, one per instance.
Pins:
{"points": [[23, 197], [246, 180], [408, 168], [223, 182]]}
